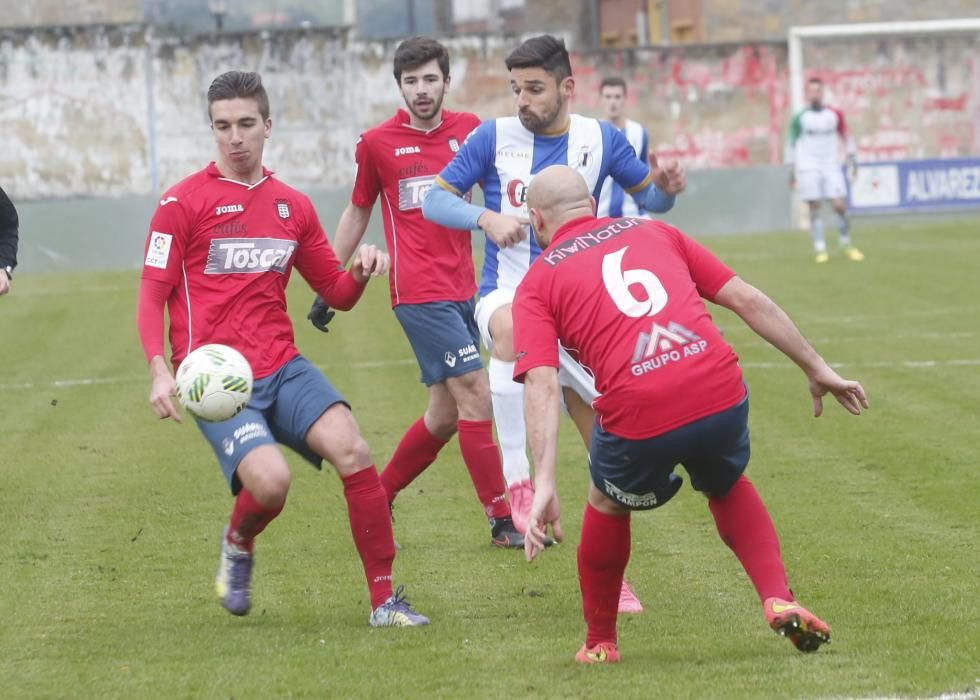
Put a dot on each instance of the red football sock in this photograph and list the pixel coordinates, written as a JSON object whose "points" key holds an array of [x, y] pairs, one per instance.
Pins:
{"points": [[248, 519], [370, 523], [482, 459], [603, 553], [745, 526], [417, 449]]}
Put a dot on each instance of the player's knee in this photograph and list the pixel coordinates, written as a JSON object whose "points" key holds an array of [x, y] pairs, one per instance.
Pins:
{"points": [[441, 421], [270, 486], [472, 396], [351, 455]]}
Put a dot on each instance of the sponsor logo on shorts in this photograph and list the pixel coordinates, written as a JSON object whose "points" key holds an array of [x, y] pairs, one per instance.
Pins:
{"points": [[663, 346], [158, 252], [233, 255], [468, 353], [229, 446], [407, 151], [229, 209], [630, 500], [250, 431], [450, 359], [412, 191]]}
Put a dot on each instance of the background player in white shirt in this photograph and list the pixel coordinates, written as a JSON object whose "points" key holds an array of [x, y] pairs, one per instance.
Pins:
{"points": [[613, 200], [813, 152]]}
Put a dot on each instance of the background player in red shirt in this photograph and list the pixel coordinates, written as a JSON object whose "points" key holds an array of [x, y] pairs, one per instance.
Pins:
{"points": [[220, 250], [671, 393], [432, 279]]}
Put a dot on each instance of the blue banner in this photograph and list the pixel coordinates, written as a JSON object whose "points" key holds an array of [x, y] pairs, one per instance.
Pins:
{"points": [[916, 185]]}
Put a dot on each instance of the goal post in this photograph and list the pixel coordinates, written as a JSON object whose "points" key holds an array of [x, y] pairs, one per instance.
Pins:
{"points": [[910, 94]]}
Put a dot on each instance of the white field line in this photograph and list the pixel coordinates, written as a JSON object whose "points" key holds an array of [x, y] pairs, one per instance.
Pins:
{"points": [[379, 364]]}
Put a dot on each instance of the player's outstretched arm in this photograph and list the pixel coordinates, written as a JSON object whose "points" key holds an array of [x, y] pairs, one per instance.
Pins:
{"points": [[542, 409], [670, 177], [350, 230], [766, 318]]}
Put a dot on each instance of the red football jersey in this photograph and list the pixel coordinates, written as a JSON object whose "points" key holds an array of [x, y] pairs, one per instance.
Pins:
{"points": [[624, 296], [429, 262], [228, 249]]}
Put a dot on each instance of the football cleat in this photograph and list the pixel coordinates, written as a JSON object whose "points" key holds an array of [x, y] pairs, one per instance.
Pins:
{"points": [[601, 653], [822, 257], [853, 254], [628, 602], [521, 495], [791, 620], [396, 612], [504, 534], [234, 578]]}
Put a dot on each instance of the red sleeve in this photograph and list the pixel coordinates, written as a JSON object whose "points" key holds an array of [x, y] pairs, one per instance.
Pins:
{"points": [[149, 315], [367, 184], [163, 253], [319, 266], [841, 126], [708, 272], [535, 329]]}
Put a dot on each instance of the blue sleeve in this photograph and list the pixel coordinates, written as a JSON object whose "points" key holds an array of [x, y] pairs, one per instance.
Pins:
{"points": [[626, 168], [470, 165], [653, 199], [446, 209], [645, 146]]}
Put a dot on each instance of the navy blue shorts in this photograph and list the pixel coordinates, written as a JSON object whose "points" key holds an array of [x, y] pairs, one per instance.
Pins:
{"points": [[444, 337], [283, 408], [639, 474]]}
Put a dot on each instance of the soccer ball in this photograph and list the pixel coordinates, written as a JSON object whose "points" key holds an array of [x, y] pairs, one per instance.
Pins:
{"points": [[214, 382]]}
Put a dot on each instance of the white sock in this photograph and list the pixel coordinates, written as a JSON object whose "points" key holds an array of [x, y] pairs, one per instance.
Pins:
{"points": [[816, 232], [508, 416]]}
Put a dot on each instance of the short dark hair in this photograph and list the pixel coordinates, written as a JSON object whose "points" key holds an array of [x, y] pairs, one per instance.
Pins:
{"points": [[612, 81], [243, 84], [543, 51], [418, 51]]}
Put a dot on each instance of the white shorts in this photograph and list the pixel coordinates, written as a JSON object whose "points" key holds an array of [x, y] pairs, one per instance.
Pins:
{"points": [[817, 185], [570, 373]]}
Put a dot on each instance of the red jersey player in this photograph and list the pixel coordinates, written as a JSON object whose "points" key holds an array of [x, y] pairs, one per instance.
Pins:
{"points": [[220, 250], [432, 279], [627, 295]]}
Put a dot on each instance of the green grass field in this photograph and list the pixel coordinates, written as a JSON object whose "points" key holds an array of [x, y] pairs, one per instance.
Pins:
{"points": [[110, 519]]}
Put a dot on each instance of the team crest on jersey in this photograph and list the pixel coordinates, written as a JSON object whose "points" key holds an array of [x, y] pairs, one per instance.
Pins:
{"points": [[282, 207], [585, 157], [454, 145]]}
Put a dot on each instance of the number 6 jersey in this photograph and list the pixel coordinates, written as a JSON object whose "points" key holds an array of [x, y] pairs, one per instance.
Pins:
{"points": [[624, 297]]}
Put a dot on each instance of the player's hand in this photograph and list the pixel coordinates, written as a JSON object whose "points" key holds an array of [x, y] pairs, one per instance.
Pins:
{"points": [[4, 282], [670, 178], [162, 389], [369, 262], [504, 230], [545, 511], [849, 394], [320, 314]]}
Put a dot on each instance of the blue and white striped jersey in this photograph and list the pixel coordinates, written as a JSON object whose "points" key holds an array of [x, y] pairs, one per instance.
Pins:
{"points": [[503, 157], [613, 200]]}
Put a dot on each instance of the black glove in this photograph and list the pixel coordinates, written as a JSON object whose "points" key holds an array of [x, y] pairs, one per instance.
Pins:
{"points": [[320, 315]]}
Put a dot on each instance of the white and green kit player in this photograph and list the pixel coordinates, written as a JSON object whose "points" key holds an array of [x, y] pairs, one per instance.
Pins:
{"points": [[815, 135]]}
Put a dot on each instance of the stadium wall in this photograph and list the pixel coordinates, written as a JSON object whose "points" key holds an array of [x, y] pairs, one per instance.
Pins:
{"points": [[112, 111]]}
